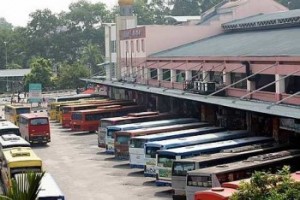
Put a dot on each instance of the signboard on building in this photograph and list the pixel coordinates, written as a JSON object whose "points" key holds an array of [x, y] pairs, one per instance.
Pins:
{"points": [[35, 93], [134, 33]]}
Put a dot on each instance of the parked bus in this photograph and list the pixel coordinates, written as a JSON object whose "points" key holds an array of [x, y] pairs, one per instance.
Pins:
{"points": [[122, 138], [104, 138], [210, 177], [125, 127], [181, 167], [165, 158], [12, 140], [35, 127], [137, 144], [89, 120], [16, 161], [49, 189], [151, 148], [12, 112], [228, 188], [67, 110], [7, 127], [68, 99]]}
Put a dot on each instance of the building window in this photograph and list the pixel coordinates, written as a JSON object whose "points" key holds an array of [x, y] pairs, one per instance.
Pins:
{"points": [[180, 76], [143, 45], [137, 46], [127, 46], [132, 46], [166, 74], [113, 46], [197, 75], [153, 73], [235, 77]]}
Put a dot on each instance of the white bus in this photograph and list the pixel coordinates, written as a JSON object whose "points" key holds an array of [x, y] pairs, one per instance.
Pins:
{"points": [[137, 144], [165, 158], [11, 141], [207, 178], [7, 127], [181, 167], [49, 190], [151, 148]]}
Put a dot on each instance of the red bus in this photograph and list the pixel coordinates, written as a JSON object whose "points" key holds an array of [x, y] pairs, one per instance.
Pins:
{"points": [[34, 127], [89, 120], [66, 110]]}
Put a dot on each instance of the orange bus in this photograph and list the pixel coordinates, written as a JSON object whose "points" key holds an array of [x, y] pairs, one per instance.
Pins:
{"points": [[122, 138], [34, 127], [66, 110], [89, 120]]}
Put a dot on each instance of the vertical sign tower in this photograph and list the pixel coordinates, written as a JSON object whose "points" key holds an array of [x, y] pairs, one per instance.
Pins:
{"points": [[126, 20]]}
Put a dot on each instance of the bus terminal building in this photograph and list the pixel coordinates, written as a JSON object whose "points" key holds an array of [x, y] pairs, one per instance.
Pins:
{"points": [[247, 76]]}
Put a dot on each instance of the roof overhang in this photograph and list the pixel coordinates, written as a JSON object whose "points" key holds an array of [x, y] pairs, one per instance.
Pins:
{"points": [[280, 110]]}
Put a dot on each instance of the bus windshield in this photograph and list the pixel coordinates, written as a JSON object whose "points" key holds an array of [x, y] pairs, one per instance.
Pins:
{"points": [[66, 110], [137, 143], [10, 131], [151, 152], [122, 139], [15, 171], [23, 110], [39, 121], [110, 132], [181, 168], [165, 161]]}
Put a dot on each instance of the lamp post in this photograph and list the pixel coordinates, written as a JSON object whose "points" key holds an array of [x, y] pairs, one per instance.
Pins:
{"points": [[6, 64]]}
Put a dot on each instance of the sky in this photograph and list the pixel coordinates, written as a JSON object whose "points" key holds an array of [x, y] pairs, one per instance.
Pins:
{"points": [[17, 12]]}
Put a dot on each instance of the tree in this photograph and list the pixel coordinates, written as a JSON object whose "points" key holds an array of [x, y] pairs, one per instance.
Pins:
{"points": [[40, 73], [91, 56], [24, 187], [186, 7], [267, 186], [69, 75]]}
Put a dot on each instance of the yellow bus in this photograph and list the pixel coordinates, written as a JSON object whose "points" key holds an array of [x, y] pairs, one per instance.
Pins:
{"points": [[53, 108], [12, 112], [16, 161]]}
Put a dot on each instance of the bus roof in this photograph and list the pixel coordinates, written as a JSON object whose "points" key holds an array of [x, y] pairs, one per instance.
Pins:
{"points": [[215, 193], [17, 106], [235, 184], [232, 152], [165, 134], [12, 140], [221, 144], [34, 115], [207, 133], [103, 109], [132, 116], [251, 161], [49, 188], [296, 176], [8, 125], [149, 124], [19, 154]]}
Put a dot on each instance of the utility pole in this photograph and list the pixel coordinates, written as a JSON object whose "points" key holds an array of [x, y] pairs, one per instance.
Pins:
{"points": [[6, 64]]}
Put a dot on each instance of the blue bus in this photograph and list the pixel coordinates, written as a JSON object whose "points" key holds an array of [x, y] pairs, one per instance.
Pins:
{"points": [[125, 127], [151, 148], [165, 158], [136, 148]]}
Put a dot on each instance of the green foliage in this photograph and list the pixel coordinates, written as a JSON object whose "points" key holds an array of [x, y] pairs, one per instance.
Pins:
{"points": [[40, 73], [24, 187], [69, 75], [267, 186]]}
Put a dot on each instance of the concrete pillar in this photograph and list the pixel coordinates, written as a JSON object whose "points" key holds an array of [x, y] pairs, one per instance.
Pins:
{"points": [[188, 75], [250, 86], [206, 77], [279, 86], [159, 74], [173, 75], [227, 78]]}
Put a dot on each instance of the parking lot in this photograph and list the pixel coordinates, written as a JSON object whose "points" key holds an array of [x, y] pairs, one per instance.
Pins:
{"points": [[84, 172]]}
